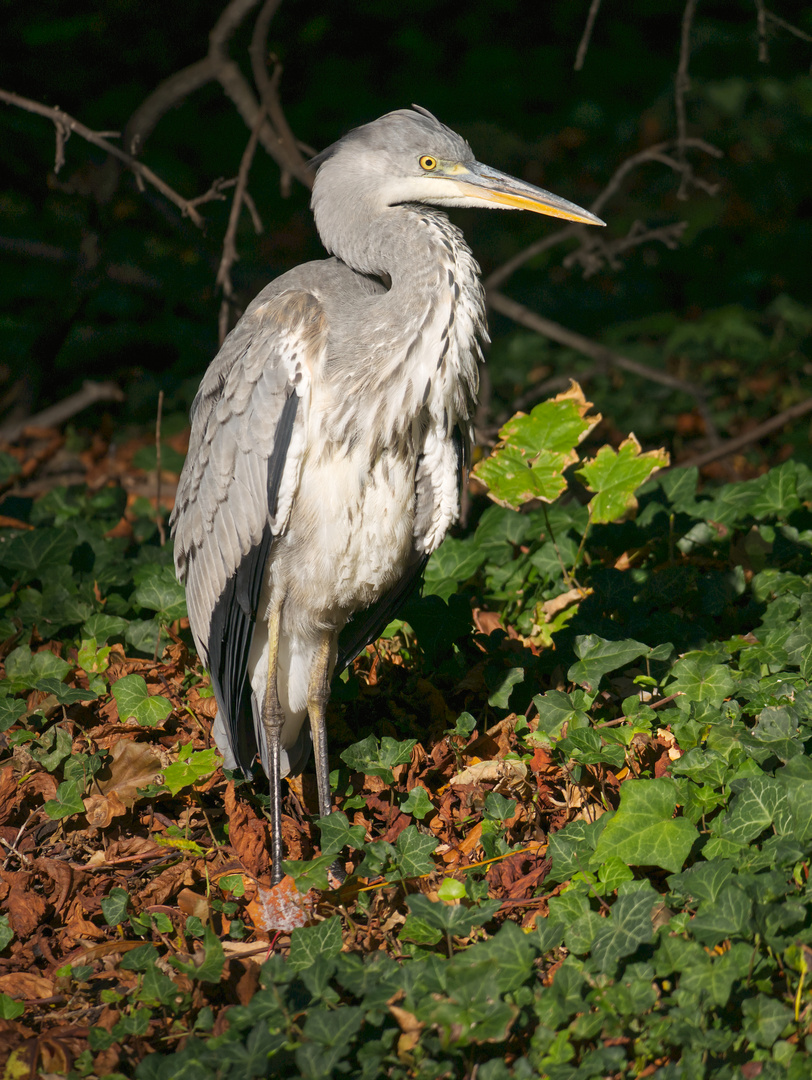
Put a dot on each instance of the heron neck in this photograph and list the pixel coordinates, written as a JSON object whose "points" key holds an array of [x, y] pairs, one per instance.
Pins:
{"points": [[413, 349]]}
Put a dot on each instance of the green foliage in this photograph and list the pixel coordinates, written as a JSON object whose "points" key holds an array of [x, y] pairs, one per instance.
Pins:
{"points": [[191, 767], [685, 910], [692, 964], [134, 700]]}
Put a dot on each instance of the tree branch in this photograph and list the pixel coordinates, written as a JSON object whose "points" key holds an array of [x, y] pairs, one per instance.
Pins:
{"points": [[593, 349], [657, 153], [55, 415], [269, 93], [586, 37], [218, 66], [229, 255], [594, 252], [730, 446], [682, 85], [67, 125]]}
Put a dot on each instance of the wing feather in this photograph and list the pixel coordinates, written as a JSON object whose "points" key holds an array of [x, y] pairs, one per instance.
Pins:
{"points": [[437, 485], [249, 423]]}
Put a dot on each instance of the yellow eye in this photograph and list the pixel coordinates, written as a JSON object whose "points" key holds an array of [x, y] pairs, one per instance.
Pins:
{"points": [[428, 163]]}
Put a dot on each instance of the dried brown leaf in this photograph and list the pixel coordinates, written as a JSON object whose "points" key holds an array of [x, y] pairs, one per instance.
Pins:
{"points": [[282, 907], [133, 766], [24, 907], [9, 793], [248, 835], [101, 809], [192, 903], [26, 985]]}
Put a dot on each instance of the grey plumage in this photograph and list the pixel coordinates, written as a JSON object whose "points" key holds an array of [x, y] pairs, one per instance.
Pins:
{"points": [[329, 436]]}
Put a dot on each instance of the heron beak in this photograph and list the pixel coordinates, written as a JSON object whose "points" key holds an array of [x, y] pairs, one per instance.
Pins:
{"points": [[499, 189]]}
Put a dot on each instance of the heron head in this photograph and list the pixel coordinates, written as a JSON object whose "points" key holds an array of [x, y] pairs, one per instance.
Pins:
{"points": [[408, 156]]}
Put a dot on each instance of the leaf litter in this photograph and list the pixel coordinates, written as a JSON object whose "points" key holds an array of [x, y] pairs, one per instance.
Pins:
{"points": [[516, 807]]}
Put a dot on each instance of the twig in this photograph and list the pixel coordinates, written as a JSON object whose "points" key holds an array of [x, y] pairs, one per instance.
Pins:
{"points": [[730, 446], [657, 153], [229, 255], [761, 23], [218, 66], [268, 87], [594, 252], [159, 521], [55, 415], [681, 87], [580, 56], [67, 124], [607, 357], [788, 27]]}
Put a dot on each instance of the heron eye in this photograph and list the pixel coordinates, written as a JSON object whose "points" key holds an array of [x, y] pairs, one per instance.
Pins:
{"points": [[428, 163]]}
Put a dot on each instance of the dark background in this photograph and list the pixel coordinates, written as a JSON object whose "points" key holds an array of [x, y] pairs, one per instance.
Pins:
{"points": [[101, 280]]}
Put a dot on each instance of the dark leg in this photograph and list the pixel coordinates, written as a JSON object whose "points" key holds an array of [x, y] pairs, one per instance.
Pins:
{"points": [[272, 720]]}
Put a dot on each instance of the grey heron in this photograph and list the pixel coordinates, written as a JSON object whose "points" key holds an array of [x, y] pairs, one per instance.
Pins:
{"points": [[330, 434]]}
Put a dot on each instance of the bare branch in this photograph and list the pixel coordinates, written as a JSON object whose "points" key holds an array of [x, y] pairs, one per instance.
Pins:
{"points": [[268, 87], [580, 56], [594, 252], [788, 27], [275, 137], [229, 255], [55, 415], [165, 96], [681, 87], [251, 207], [658, 153], [69, 124], [761, 23], [215, 192], [607, 357], [731, 446]]}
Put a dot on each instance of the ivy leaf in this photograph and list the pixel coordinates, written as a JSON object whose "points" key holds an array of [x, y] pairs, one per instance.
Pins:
{"points": [[597, 657], [413, 850], [9, 1008], [162, 592], [417, 803], [68, 801], [25, 669], [644, 831], [501, 683], [765, 1019], [11, 709], [700, 677], [726, 916], [133, 700], [512, 480], [209, 967], [533, 451], [309, 943], [628, 925], [374, 758], [114, 906], [191, 768], [65, 695], [454, 919], [753, 809], [337, 833], [6, 933], [31, 552]]}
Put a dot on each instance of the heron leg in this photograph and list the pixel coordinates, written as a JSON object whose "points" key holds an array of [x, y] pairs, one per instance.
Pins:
{"points": [[318, 694], [272, 720]]}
